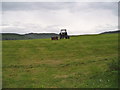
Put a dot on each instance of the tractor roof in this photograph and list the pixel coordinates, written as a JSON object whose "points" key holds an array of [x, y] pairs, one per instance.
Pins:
{"points": [[63, 29]]}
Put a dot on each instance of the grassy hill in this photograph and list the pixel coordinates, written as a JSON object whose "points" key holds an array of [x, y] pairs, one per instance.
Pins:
{"points": [[79, 62], [14, 36], [109, 32]]}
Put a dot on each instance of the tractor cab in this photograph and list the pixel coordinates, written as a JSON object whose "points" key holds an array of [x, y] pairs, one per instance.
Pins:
{"points": [[63, 34]]}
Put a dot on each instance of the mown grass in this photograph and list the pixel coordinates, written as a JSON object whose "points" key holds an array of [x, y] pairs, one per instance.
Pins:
{"points": [[78, 62]]}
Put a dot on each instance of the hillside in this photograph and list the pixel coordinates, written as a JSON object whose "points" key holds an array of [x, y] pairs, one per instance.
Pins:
{"points": [[78, 62], [14, 36], [110, 32]]}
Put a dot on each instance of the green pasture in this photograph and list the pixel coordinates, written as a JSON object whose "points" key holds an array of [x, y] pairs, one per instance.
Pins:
{"points": [[87, 61]]}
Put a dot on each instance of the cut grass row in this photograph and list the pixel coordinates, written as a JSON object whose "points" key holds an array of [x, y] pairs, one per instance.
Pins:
{"points": [[81, 61]]}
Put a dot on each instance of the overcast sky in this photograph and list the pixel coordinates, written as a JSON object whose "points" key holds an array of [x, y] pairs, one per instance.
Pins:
{"points": [[45, 17]]}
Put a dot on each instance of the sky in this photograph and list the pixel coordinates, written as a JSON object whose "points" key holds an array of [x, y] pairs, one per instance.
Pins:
{"points": [[50, 17]]}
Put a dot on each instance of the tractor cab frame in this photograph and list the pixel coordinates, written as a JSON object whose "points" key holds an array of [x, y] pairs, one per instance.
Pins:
{"points": [[63, 34]]}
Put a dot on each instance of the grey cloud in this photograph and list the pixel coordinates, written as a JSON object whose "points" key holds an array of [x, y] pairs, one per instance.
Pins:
{"points": [[8, 6], [13, 30], [53, 28], [113, 6], [73, 16], [104, 5], [57, 5]]}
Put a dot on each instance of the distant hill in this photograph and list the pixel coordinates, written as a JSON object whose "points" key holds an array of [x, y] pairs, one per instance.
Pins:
{"points": [[14, 36], [109, 32]]}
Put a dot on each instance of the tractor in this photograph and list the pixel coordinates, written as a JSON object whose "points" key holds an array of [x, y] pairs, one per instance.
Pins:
{"points": [[63, 34]]}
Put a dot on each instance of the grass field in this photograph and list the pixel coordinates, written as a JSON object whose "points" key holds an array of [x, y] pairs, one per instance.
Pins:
{"points": [[78, 62]]}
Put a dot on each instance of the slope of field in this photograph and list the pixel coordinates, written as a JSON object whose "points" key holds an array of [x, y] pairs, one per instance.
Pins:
{"points": [[78, 62]]}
